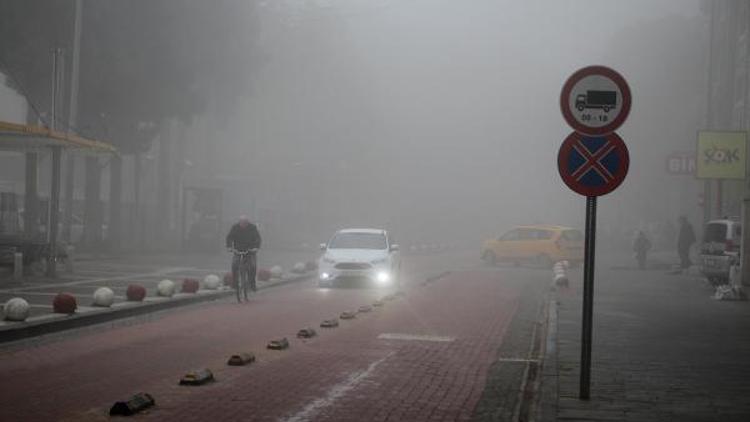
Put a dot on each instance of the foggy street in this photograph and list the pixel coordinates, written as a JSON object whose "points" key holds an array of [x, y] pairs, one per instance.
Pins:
{"points": [[375, 210], [447, 333]]}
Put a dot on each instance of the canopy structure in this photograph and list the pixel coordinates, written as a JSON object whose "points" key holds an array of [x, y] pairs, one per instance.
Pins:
{"points": [[17, 137], [24, 138]]}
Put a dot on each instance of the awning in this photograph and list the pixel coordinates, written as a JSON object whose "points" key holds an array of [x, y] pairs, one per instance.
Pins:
{"points": [[17, 137]]}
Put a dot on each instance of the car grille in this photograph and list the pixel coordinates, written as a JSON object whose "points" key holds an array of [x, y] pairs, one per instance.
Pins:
{"points": [[353, 266]]}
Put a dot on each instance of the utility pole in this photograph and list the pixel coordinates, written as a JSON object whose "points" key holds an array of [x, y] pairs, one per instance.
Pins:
{"points": [[54, 200], [709, 107], [70, 161]]}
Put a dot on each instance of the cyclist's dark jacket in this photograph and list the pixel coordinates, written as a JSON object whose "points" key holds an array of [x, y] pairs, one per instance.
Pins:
{"points": [[243, 239]]}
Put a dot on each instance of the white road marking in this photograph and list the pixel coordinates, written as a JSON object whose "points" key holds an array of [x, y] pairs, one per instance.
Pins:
{"points": [[336, 392], [519, 360], [415, 337]]}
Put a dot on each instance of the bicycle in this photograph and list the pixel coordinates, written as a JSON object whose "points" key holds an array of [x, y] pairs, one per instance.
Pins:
{"points": [[243, 271]]}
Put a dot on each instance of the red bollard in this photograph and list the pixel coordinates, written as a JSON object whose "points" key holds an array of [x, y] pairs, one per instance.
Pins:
{"points": [[64, 303]]}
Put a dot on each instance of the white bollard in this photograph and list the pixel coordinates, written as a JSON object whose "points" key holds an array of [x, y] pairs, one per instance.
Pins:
{"points": [[211, 282], [16, 309], [17, 266], [104, 297], [165, 288], [299, 268], [277, 271], [560, 278]]}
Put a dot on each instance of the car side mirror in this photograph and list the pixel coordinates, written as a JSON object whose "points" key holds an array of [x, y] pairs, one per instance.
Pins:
{"points": [[394, 248], [323, 246]]}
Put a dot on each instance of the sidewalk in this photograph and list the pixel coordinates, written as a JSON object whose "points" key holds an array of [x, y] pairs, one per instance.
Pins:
{"points": [[663, 350], [118, 274]]}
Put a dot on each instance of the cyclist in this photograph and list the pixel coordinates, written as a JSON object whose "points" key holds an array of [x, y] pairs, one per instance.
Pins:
{"points": [[243, 237]]}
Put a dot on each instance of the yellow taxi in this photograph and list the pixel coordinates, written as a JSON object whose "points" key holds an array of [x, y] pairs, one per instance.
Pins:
{"points": [[539, 245]]}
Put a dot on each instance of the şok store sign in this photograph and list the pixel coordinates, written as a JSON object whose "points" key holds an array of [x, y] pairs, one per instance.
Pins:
{"points": [[721, 155]]}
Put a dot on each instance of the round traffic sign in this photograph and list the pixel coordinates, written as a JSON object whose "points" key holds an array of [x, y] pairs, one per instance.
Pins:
{"points": [[595, 100], [593, 165]]}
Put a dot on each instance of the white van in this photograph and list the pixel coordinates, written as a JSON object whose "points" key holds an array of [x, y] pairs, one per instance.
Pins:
{"points": [[720, 248]]}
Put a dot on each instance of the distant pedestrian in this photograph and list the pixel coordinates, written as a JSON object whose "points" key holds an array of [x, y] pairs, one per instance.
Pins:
{"points": [[685, 239], [641, 246]]}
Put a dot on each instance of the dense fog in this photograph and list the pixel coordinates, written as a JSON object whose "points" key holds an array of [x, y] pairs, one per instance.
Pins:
{"points": [[437, 119]]}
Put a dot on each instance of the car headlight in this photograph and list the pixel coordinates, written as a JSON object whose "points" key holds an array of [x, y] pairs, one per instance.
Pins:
{"points": [[383, 277], [325, 276]]}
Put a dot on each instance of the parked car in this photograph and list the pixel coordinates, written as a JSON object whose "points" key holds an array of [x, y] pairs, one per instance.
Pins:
{"points": [[538, 245], [720, 248], [360, 256]]}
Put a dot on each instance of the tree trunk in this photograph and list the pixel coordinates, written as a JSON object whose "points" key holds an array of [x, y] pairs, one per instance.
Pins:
{"points": [[31, 184], [31, 196], [164, 189], [138, 219], [115, 204], [69, 198], [92, 228]]}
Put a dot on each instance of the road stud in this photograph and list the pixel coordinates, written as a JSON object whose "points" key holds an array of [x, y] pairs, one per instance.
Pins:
{"points": [[348, 315], [133, 405], [365, 308], [198, 377], [306, 333], [330, 323], [280, 344], [241, 359]]}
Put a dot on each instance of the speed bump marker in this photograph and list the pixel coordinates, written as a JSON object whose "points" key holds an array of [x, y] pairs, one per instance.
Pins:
{"points": [[133, 405], [365, 308], [330, 323], [348, 315], [198, 377], [241, 359], [306, 333], [279, 344]]}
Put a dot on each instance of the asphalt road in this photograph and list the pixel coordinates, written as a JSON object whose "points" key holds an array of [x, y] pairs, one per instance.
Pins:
{"points": [[428, 355]]}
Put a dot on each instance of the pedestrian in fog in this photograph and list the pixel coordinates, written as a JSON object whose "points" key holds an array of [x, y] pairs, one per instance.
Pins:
{"points": [[641, 246], [685, 240]]}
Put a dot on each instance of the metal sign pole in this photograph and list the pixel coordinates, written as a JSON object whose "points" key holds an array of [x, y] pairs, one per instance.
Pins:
{"points": [[588, 298]]}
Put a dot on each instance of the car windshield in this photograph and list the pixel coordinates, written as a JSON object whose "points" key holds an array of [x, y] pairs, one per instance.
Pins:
{"points": [[572, 235], [715, 232], [358, 241]]}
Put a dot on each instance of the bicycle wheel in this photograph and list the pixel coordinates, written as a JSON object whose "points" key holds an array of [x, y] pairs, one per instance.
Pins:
{"points": [[238, 284], [245, 278]]}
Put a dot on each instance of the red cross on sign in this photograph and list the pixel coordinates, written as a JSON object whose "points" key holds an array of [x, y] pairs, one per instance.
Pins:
{"points": [[593, 165]]}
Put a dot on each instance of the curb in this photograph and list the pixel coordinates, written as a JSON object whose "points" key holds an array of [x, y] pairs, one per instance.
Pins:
{"points": [[547, 411], [34, 329]]}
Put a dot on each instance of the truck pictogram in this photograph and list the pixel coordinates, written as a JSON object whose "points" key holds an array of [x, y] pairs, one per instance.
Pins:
{"points": [[605, 100]]}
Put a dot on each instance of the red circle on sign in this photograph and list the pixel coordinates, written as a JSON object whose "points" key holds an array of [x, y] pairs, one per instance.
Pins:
{"points": [[609, 162], [591, 71]]}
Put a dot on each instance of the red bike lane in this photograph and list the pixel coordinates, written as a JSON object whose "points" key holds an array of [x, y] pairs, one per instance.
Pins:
{"points": [[420, 357]]}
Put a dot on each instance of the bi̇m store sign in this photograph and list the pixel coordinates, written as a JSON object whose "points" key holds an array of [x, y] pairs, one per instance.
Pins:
{"points": [[721, 155]]}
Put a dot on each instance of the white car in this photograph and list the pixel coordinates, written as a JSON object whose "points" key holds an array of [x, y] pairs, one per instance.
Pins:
{"points": [[359, 256]]}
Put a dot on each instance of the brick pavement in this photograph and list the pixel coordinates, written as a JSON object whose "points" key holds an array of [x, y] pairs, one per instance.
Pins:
{"points": [[345, 374], [349, 374], [663, 351]]}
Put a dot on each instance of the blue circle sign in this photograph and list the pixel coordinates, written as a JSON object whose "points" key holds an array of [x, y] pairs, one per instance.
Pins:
{"points": [[593, 165]]}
